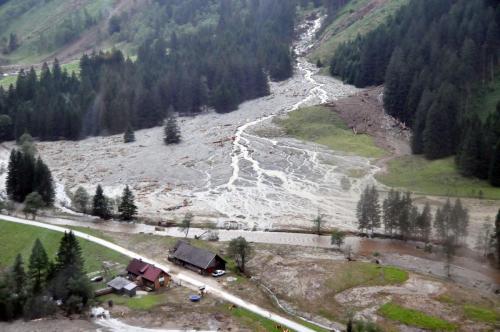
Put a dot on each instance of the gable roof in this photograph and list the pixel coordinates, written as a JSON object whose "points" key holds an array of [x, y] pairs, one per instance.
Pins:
{"points": [[152, 273], [195, 256], [135, 266], [145, 270]]}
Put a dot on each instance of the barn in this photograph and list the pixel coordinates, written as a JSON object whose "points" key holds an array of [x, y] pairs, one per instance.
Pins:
{"points": [[147, 275], [196, 259]]}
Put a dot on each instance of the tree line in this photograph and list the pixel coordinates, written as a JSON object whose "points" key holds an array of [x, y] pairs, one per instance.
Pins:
{"points": [[435, 58], [219, 66], [105, 207], [38, 291], [400, 218]]}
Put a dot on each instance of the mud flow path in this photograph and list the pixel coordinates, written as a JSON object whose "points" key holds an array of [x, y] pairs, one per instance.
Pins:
{"points": [[227, 168], [282, 181]]}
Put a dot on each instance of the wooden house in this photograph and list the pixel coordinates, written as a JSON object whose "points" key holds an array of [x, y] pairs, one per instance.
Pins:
{"points": [[147, 275], [196, 259]]}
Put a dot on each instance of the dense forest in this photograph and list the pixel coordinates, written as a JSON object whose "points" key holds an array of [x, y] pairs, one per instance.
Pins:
{"points": [[218, 65], [435, 57]]}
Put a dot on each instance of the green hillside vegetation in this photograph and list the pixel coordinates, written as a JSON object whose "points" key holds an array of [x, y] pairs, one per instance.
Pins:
{"points": [[42, 27], [434, 177], [415, 318], [321, 125], [16, 238], [347, 26]]}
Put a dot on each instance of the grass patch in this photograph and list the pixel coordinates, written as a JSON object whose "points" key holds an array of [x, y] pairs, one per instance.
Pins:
{"points": [[436, 177], [356, 274], [143, 303], [323, 126], [17, 238], [415, 318], [481, 314], [254, 321]]}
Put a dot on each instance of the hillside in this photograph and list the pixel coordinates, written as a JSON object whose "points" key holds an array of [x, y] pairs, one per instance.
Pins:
{"points": [[32, 32], [358, 17]]}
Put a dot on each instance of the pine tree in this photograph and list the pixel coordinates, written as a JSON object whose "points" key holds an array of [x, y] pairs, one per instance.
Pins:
{"points": [[43, 183], [361, 211], [368, 210], [18, 275], [13, 174], [38, 265], [172, 134], [494, 173], [496, 236], [424, 223], [71, 285], [391, 211], [100, 206], [129, 135], [127, 208]]}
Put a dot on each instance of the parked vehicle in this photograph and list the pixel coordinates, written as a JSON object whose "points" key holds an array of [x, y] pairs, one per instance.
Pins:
{"points": [[218, 273], [96, 279]]}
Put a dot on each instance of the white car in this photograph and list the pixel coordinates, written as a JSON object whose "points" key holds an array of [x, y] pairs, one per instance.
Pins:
{"points": [[218, 273]]}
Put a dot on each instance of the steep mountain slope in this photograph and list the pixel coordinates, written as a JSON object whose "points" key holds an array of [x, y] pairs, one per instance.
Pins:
{"points": [[32, 31], [357, 17]]}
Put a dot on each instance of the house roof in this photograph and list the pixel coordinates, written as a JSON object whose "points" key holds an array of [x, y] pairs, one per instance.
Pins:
{"points": [[119, 283], [135, 266], [151, 273], [145, 270], [195, 256]]}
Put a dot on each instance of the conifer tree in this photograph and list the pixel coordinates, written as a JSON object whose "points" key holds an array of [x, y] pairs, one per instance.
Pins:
{"points": [[71, 284], [100, 206], [424, 223], [496, 236], [494, 173], [43, 183], [368, 210], [129, 135], [172, 134], [38, 265], [127, 208], [19, 280], [13, 175]]}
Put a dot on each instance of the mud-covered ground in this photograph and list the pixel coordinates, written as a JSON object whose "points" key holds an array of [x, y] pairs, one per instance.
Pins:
{"points": [[222, 168]]}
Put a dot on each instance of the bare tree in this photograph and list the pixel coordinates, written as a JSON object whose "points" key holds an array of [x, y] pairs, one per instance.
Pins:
{"points": [[318, 223]]}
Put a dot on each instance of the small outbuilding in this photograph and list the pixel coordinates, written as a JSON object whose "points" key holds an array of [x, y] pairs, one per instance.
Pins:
{"points": [[147, 275], [196, 259], [121, 285]]}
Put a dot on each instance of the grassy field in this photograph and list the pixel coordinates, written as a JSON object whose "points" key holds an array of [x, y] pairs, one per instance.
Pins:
{"points": [[337, 33], [437, 177], [415, 318], [137, 303], [481, 314], [42, 18], [321, 125], [16, 238], [357, 274]]}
